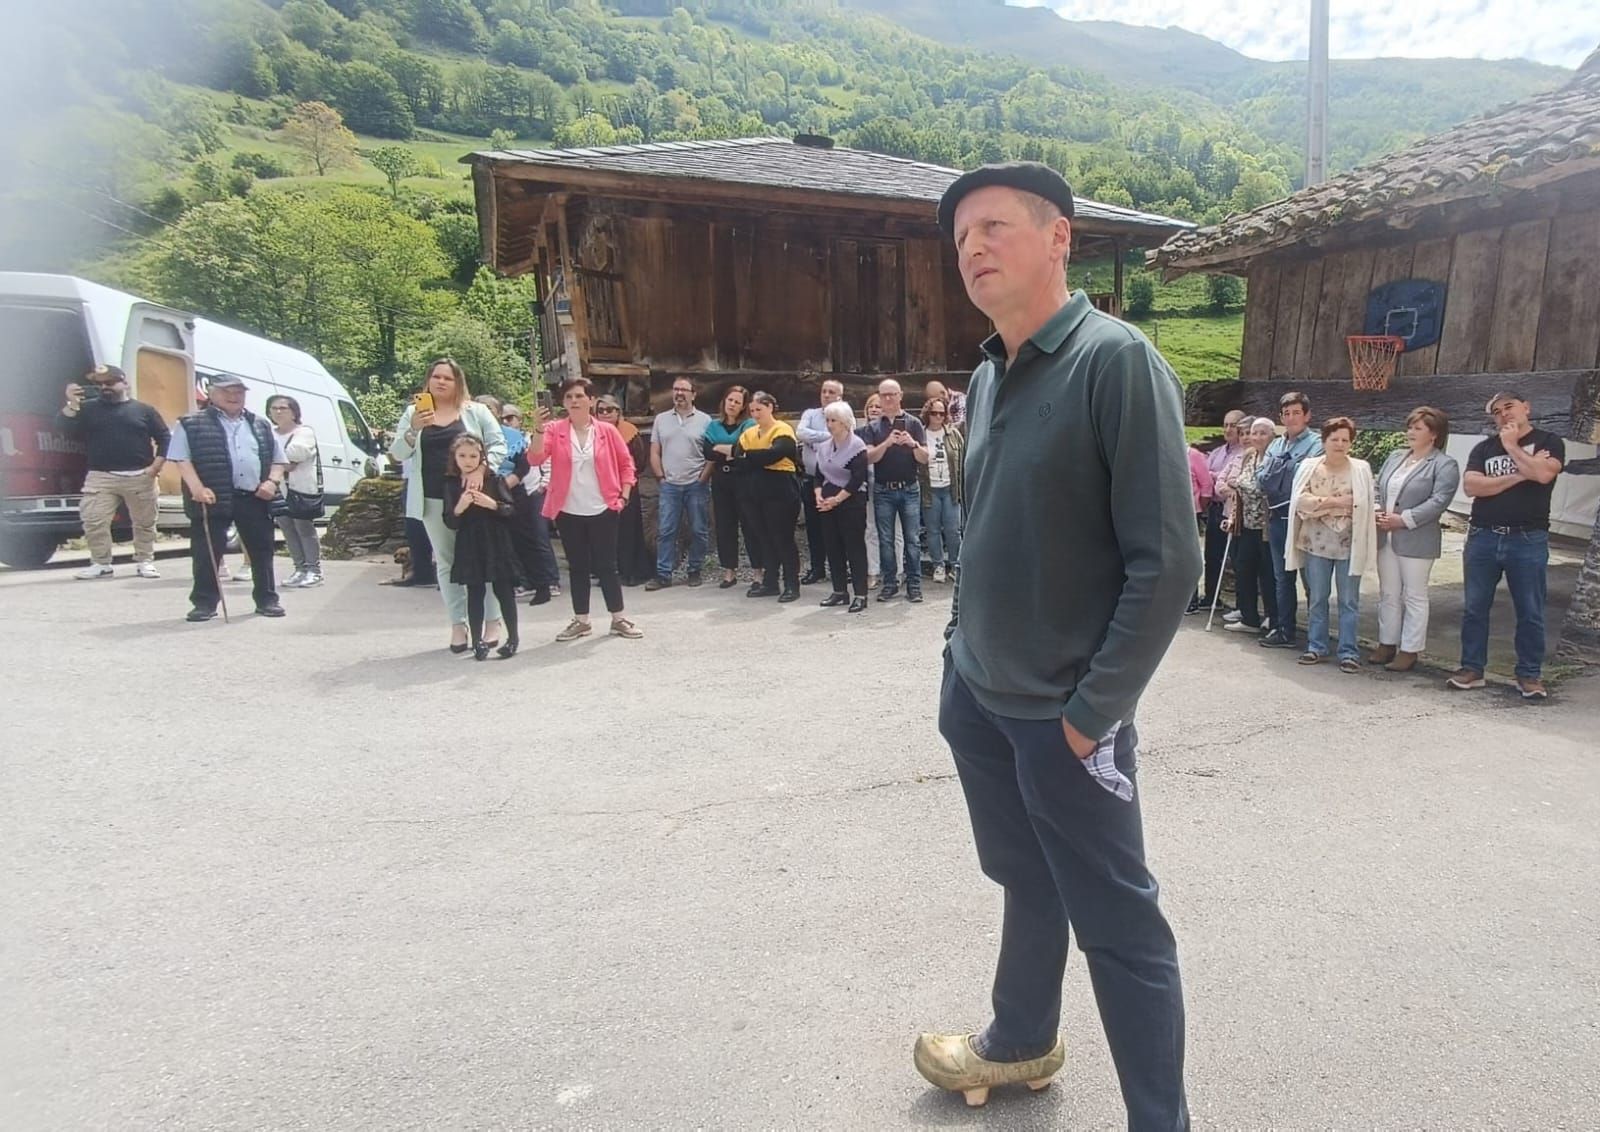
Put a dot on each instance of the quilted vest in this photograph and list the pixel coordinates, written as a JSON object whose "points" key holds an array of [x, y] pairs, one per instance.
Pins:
{"points": [[213, 463]]}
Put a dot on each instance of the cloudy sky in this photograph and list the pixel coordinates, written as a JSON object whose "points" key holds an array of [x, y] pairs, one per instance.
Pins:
{"points": [[1551, 31]]}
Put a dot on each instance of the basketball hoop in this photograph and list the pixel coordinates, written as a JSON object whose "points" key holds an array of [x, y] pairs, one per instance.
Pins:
{"points": [[1373, 358]]}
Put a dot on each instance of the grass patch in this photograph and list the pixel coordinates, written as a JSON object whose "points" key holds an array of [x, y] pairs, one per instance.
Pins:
{"points": [[1199, 349]]}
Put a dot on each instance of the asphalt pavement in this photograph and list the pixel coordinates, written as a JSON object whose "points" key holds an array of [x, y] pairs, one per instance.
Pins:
{"points": [[317, 873]]}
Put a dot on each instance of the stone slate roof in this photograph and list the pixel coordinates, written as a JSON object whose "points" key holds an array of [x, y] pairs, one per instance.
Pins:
{"points": [[783, 164], [1548, 137]]}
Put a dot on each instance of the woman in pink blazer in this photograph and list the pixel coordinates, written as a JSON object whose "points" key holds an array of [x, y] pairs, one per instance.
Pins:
{"points": [[591, 477]]}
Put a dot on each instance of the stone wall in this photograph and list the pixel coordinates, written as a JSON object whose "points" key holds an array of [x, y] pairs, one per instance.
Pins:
{"points": [[370, 521]]}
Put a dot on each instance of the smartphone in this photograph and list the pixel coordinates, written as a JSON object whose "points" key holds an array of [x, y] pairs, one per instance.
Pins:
{"points": [[424, 402], [543, 398]]}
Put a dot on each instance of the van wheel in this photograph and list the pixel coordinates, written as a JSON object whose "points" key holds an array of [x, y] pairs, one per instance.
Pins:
{"points": [[25, 549]]}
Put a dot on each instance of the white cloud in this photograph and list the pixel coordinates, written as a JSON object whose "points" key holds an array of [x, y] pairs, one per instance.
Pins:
{"points": [[1550, 31]]}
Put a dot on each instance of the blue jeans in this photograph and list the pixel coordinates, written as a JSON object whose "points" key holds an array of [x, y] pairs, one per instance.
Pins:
{"points": [[1284, 580], [1523, 557], [676, 498], [1322, 575], [943, 520], [1070, 856], [904, 503]]}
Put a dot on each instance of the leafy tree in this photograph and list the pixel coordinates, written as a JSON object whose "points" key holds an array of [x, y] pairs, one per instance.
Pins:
{"points": [[371, 101], [591, 129], [1223, 292], [457, 234], [1139, 295], [396, 163], [318, 132]]}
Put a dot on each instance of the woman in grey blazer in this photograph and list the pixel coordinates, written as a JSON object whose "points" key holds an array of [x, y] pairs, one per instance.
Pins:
{"points": [[1415, 486]]}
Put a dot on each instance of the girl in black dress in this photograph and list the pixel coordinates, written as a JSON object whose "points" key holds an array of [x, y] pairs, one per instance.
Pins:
{"points": [[485, 556]]}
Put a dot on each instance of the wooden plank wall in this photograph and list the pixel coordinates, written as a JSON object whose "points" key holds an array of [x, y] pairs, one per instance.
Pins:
{"points": [[1520, 298], [774, 292]]}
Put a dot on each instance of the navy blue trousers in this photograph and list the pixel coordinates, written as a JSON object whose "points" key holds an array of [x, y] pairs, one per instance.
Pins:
{"points": [[1070, 856]]}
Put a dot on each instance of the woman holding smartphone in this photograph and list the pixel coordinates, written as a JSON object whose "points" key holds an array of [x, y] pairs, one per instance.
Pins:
{"points": [[441, 414]]}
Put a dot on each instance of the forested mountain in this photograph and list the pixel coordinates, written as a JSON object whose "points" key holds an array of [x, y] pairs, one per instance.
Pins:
{"points": [[154, 139]]}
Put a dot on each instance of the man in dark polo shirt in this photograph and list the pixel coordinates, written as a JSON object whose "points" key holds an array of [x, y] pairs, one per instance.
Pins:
{"points": [[896, 446], [1078, 559], [1510, 477]]}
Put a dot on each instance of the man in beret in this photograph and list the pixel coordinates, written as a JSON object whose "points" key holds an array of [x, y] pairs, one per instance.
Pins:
{"points": [[1078, 559]]}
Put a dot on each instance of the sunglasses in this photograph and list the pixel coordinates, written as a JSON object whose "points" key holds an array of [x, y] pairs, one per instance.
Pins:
{"points": [[509, 419], [607, 409], [936, 412]]}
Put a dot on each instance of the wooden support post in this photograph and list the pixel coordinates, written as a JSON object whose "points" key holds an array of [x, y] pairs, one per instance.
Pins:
{"points": [[1116, 278]]}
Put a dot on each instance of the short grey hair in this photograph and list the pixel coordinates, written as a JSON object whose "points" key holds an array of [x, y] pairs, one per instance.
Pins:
{"points": [[1263, 421], [840, 410]]}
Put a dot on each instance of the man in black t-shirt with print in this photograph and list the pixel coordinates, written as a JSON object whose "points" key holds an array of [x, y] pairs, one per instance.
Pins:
{"points": [[1510, 477], [896, 446]]}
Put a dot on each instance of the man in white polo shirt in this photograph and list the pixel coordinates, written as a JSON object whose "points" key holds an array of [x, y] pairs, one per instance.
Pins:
{"points": [[678, 459]]}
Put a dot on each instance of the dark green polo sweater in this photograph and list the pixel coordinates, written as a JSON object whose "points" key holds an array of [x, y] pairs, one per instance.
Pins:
{"points": [[1080, 551]]}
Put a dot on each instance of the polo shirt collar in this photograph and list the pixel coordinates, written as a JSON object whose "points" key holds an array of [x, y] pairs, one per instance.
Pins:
{"points": [[1049, 337]]}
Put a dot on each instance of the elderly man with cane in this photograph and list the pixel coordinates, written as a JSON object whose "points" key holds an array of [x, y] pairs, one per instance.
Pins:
{"points": [[232, 464], [1065, 604]]}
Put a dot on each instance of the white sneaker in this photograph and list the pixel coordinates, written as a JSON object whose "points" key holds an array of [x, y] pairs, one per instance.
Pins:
{"points": [[244, 575], [222, 573], [310, 578], [295, 579], [1231, 617], [938, 574], [147, 570], [1240, 627], [89, 573]]}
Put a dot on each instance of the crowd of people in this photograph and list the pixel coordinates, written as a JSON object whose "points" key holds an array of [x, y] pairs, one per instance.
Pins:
{"points": [[860, 490], [1281, 512], [1297, 510]]}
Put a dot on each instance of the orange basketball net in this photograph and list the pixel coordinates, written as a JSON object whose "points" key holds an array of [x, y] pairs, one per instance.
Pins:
{"points": [[1373, 358]]}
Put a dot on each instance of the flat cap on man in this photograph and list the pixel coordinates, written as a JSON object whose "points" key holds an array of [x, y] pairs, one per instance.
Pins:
{"points": [[1028, 176], [1503, 395], [226, 381]]}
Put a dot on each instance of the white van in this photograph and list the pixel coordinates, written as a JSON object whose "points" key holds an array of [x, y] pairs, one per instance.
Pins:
{"points": [[55, 328]]}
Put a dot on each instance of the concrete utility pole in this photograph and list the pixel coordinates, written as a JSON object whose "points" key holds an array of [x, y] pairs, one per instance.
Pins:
{"points": [[1317, 96]]}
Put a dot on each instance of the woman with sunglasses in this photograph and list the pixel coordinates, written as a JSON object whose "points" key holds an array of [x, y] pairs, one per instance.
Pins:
{"points": [[635, 566], [770, 448], [940, 480], [592, 477], [303, 477], [728, 511]]}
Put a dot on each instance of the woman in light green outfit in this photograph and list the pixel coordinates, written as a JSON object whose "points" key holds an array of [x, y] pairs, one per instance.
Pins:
{"points": [[422, 442]]}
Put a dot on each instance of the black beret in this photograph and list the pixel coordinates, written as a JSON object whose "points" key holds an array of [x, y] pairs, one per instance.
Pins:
{"points": [[1029, 176]]}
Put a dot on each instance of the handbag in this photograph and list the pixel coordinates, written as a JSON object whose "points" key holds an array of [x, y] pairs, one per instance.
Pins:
{"points": [[303, 505]]}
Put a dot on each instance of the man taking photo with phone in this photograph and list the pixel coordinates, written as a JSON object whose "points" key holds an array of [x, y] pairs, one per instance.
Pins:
{"points": [[896, 445], [124, 440]]}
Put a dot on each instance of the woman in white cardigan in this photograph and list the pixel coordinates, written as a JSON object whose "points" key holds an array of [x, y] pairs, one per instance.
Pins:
{"points": [[1333, 539], [422, 442]]}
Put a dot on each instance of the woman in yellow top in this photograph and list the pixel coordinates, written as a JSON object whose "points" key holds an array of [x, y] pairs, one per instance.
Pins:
{"points": [[770, 455]]}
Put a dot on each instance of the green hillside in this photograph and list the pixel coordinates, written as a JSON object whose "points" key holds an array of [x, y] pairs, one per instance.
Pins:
{"points": [[155, 143]]}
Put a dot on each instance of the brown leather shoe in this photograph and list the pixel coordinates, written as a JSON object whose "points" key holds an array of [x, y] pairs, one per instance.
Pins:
{"points": [[1402, 662], [1531, 687], [1467, 679], [1383, 654]]}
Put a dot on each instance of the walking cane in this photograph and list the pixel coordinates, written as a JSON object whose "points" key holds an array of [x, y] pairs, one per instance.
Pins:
{"points": [[216, 572], [1227, 545]]}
